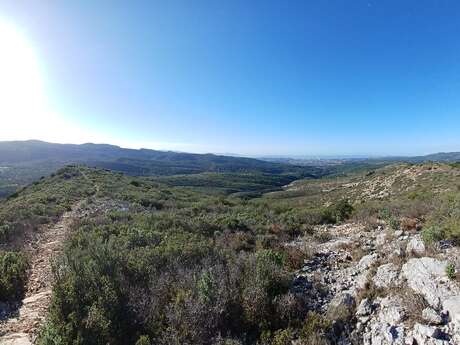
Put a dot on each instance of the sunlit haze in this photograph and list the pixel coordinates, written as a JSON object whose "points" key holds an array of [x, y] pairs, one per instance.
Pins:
{"points": [[23, 103], [255, 78]]}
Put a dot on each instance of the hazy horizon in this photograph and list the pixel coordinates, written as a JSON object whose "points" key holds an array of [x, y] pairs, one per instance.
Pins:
{"points": [[335, 78], [236, 154]]}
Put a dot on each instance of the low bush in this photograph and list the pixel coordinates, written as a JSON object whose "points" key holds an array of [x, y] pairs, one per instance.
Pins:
{"points": [[431, 234], [390, 218], [444, 221], [13, 266], [451, 271], [337, 212], [124, 279], [315, 330]]}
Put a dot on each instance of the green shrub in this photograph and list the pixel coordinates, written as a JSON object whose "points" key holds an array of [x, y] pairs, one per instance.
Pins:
{"points": [[323, 236], [451, 271], [431, 234], [444, 221], [268, 256], [5, 231], [283, 337], [50, 335], [143, 340], [392, 221], [205, 287], [337, 212], [135, 183], [13, 266], [315, 329]]}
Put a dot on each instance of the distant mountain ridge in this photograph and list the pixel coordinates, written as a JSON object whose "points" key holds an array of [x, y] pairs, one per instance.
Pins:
{"points": [[23, 162], [438, 157], [136, 162]]}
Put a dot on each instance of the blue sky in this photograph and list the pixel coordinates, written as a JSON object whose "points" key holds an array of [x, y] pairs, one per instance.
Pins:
{"points": [[249, 77]]}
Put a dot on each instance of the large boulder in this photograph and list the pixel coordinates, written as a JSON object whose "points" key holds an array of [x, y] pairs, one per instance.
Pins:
{"points": [[427, 276]]}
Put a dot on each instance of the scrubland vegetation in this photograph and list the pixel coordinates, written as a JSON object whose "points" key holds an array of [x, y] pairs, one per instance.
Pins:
{"points": [[150, 262]]}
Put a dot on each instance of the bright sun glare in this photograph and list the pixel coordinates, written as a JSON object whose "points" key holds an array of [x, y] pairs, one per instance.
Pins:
{"points": [[23, 106]]}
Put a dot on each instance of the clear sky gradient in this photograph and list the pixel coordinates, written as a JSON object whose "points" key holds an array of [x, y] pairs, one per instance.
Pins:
{"points": [[249, 77]]}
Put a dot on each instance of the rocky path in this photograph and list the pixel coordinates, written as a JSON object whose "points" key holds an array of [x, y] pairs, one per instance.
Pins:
{"points": [[21, 326]]}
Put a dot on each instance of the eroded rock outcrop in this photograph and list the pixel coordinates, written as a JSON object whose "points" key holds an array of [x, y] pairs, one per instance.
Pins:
{"points": [[427, 276], [398, 296]]}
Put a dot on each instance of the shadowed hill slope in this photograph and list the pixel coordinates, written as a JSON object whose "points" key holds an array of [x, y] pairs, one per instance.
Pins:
{"points": [[139, 162], [22, 162]]}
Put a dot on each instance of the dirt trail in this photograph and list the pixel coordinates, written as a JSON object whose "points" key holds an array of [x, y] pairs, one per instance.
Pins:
{"points": [[21, 328]]}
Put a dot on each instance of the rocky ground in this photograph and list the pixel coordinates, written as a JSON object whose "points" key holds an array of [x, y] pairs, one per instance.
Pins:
{"points": [[386, 284]]}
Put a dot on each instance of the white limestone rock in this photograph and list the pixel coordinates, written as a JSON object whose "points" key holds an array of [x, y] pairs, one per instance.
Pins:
{"points": [[428, 335], [384, 334], [367, 261], [427, 277], [364, 308], [431, 316], [386, 276], [416, 246], [452, 306]]}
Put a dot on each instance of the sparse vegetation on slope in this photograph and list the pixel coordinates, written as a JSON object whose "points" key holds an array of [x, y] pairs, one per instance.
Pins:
{"points": [[40, 203], [152, 262]]}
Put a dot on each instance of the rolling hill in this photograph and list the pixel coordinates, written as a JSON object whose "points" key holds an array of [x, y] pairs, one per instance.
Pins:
{"points": [[22, 162], [138, 162]]}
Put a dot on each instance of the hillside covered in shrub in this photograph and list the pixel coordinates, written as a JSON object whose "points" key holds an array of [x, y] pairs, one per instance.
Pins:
{"points": [[148, 261]]}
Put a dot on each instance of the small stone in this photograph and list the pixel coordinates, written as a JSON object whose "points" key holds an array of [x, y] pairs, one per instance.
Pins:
{"points": [[398, 252], [416, 246], [364, 319], [409, 340], [380, 239], [431, 316], [367, 261], [392, 314], [364, 308], [386, 275]]}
